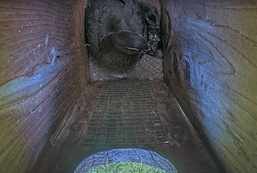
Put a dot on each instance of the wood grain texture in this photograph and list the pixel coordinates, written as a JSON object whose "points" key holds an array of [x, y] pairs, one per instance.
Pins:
{"points": [[210, 65], [43, 72], [66, 149], [185, 149]]}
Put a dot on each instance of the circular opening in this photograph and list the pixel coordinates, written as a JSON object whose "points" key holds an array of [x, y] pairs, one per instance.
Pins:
{"points": [[126, 155]]}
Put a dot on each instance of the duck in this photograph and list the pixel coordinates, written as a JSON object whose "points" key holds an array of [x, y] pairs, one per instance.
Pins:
{"points": [[122, 49], [152, 18], [150, 15], [115, 33]]}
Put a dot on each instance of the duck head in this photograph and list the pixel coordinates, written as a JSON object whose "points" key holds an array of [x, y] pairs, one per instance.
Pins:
{"points": [[151, 15], [153, 36], [126, 42]]}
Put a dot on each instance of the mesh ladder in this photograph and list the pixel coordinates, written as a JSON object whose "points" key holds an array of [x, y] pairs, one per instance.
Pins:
{"points": [[125, 113]]}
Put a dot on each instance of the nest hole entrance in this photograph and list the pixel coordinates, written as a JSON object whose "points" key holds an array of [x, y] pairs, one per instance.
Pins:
{"points": [[126, 155]]}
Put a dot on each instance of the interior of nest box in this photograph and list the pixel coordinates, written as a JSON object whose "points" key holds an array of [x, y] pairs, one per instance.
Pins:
{"points": [[196, 107]]}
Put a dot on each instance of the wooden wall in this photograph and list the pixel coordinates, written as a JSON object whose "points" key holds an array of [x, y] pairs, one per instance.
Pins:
{"points": [[211, 66], [43, 72]]}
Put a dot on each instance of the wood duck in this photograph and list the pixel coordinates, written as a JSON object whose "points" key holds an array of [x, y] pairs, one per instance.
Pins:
{"points": [[115, 32], [151, 15], [152, 18], [121, 49]]}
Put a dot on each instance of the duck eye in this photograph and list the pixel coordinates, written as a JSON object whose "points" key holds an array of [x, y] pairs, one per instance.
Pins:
{"points": [[151, 18], [150, 22]]}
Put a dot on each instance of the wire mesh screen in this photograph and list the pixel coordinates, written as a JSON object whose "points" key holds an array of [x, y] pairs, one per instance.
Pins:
{"points": [[125, 114]]}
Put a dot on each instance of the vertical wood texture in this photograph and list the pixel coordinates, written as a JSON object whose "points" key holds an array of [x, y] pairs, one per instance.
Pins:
{"points": [[211, 65], [43, 71]]}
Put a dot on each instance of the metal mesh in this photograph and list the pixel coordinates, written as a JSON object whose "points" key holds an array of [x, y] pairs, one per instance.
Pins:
{"points": [[125, 114]]}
